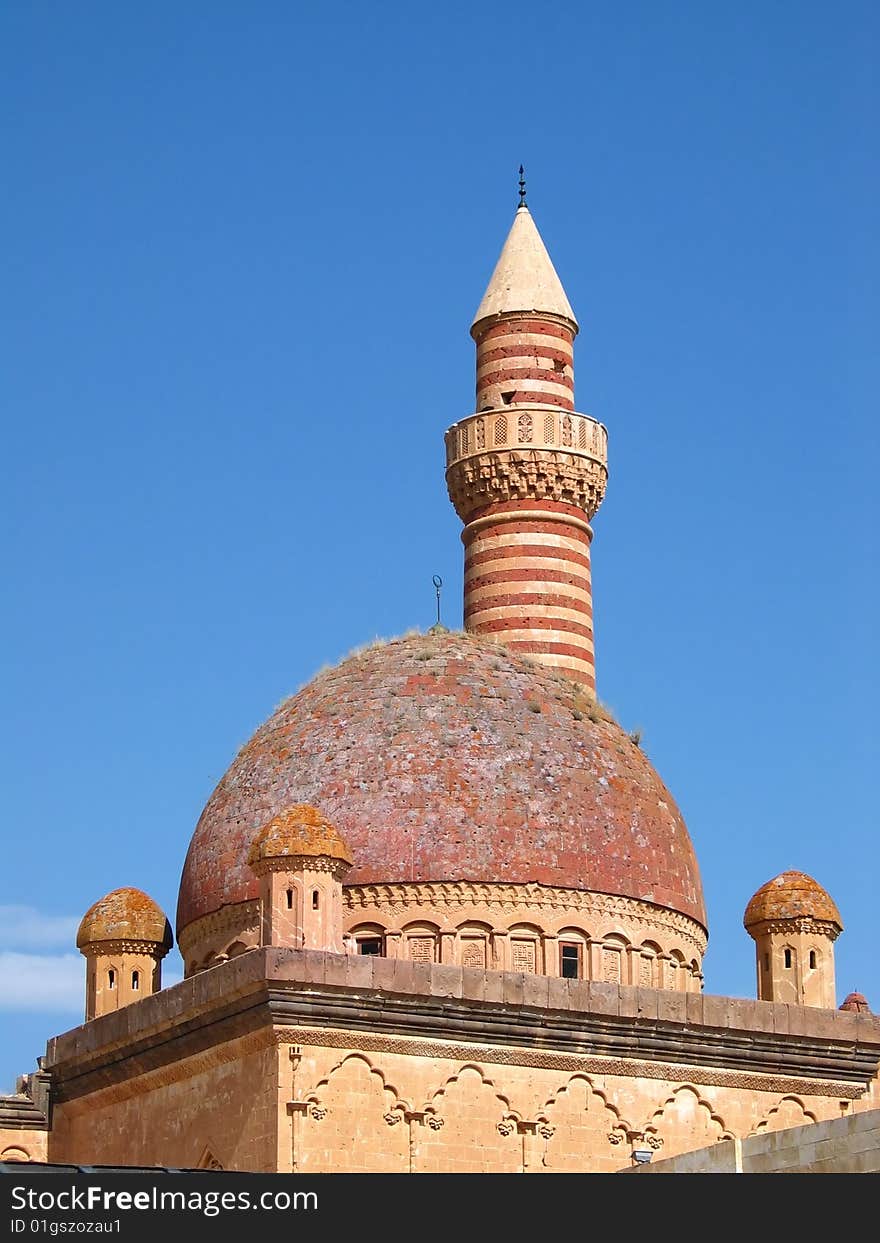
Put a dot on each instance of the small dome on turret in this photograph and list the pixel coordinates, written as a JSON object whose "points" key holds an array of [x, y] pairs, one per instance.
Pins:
{"points": [[791, 895], [857, 1003], [299, 830], [125, 915]]}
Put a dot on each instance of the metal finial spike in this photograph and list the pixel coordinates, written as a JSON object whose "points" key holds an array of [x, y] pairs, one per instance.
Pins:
{"points": [[522, 186], [438, 627]]}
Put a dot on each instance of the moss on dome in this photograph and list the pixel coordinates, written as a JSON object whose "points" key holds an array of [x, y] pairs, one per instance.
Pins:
{"points": [[298, 830], [791, 895], [125, 915], [447, 757]]}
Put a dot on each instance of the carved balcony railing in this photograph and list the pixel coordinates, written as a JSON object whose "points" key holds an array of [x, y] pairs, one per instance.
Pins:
{"points": [[526, 452]]}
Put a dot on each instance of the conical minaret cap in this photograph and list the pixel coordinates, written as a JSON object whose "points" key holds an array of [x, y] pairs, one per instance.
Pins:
{"points": [[524, 278]]}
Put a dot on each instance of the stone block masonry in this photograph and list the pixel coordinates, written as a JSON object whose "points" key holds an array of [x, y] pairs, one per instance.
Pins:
{"points": [[268, 1065]]}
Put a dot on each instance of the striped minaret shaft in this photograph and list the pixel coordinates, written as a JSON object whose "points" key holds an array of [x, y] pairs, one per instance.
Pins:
{"points": [[526, 472], [525, 360]]}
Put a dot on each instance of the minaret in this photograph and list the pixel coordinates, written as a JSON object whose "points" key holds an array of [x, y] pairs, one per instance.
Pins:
{"points": [[526, 472]]}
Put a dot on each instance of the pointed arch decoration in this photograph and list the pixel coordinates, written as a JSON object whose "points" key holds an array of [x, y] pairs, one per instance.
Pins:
{"points": [[435, 1101], [685, 1121], [351, 1121], [581, 1129], [469, 1127], [787, 1112], [317, 1096]]}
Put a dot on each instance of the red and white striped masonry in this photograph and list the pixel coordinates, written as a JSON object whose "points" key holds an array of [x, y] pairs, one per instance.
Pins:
{"points": [[527, 582], [527, 559], [525, 361]]}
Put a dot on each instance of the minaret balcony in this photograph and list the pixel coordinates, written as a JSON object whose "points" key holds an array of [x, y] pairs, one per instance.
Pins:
{"points": [[526, 451]]}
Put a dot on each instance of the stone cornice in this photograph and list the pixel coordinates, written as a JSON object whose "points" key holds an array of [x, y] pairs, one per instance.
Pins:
{"points": [[480, 326], [591, 1035], [299, 863], [99, 949], [800, 924], [548, 1059], [375, 997], [21, 1113]]}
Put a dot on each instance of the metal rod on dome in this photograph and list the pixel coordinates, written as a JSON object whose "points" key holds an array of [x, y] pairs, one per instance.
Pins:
{"points": [[438, 584], [522, 187]]}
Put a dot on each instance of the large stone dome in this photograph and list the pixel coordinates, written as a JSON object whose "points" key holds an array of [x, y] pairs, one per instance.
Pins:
{"points": [[444, 758]]}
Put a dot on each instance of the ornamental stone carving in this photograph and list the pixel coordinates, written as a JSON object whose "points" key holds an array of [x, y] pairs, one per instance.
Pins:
{"points": [[337, 868], [570, 467], [101, 949], [499, 907], [422, 907], [803, 923]]}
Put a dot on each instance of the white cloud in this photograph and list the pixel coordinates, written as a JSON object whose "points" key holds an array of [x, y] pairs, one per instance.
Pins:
{"points": [[52, 982], [42, 982], [26, 928], [33, 980]]}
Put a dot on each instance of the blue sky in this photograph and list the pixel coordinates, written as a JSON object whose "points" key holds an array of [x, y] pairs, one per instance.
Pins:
{"points": [[243, 246]]}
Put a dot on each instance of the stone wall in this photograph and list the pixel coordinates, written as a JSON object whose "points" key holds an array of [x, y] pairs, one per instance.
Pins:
{"points": [[301, 1060], [22, 1144], [422, 1112], [223, 1101], [849, 1145], [24, 1119]]}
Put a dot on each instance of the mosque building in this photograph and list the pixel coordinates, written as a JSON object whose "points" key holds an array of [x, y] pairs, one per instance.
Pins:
{"points": [[441, 914]]}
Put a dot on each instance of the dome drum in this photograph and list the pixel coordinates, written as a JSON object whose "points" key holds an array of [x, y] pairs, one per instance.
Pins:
{"points": [[494, 927]]}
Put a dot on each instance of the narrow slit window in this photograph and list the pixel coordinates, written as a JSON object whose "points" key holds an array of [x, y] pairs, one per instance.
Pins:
{"points": [[315, 899], [788, 958], [111, 978], [570, 961], [290, 899], [812, 960], [135, 981]]}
